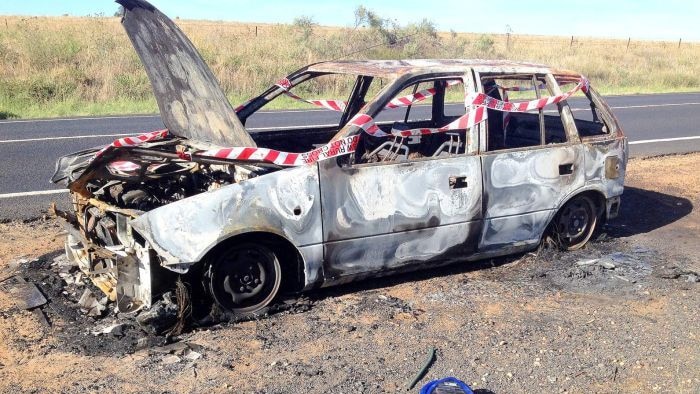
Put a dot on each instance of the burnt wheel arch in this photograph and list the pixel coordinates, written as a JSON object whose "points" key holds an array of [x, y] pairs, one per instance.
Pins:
{"points": [[244, 279], [290, 259], [597, 200]]}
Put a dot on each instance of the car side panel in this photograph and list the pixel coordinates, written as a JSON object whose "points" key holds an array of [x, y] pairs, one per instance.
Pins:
{"points": [[522, 188], [379, 217], [606, 164]]}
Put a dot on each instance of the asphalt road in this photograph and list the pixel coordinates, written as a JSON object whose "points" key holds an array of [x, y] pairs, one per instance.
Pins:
{"points": [[655, 124]]}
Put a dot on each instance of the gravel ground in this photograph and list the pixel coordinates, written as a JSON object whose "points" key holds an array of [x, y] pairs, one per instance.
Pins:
{"points": [[621, 315]]}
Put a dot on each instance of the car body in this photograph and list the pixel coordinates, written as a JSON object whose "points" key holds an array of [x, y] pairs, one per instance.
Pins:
{"points": [[360, 201]]}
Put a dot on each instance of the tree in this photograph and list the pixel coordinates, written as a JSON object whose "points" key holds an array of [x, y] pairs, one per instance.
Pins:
{"points": [[305, 25]]}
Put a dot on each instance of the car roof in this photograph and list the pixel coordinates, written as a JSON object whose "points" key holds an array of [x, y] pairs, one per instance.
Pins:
{"points": [[394, 68]]}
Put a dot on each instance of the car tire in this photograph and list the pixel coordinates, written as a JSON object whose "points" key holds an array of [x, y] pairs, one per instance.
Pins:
{"points": [[243, 279], [575, 223]]}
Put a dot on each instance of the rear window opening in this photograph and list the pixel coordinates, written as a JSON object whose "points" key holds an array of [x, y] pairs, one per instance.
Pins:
{"points": [[511, 130], [587, 115]]}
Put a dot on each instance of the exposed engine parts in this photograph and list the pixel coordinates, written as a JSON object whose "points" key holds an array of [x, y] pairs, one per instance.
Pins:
{"points": [[147, 185]]}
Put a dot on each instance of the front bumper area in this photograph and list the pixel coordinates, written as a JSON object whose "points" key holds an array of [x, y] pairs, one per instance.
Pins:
{"points": [[122, 269]]}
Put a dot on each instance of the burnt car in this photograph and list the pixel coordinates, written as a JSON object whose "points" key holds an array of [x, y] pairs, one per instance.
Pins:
{"points": [[422, 163]]}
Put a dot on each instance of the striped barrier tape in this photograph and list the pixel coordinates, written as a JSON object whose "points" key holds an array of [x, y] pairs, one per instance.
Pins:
{"points": [[333, 105], [340, 105], [481, 99], [471, 118], [332, 149], [416, 97], [476, 104], [134, 141]]}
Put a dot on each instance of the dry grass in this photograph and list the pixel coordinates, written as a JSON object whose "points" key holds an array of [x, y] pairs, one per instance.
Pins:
{"points": [[53, 66]]}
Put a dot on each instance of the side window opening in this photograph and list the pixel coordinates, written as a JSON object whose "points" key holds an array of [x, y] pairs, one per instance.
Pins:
{"points": [[337, 95], [328, 92], [589, 118], [409, 110], [510, 130]]}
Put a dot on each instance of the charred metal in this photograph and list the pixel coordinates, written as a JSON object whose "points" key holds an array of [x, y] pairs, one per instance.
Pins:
{"points": [[249, 229]]}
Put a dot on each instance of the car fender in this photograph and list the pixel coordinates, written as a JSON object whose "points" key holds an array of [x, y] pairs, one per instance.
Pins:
{"points": [[590, 187], [285, 203]]}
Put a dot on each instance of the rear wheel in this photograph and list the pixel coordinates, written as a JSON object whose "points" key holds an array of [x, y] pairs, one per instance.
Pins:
{"points": [[575, 223], [243, 279]]}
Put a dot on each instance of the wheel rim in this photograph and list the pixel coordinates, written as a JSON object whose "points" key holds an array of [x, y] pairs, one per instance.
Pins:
{"points": [[575, 222], [244, 279]]}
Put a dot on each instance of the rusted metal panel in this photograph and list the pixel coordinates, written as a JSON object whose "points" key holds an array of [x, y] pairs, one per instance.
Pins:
{"points": [[191, 102], [389, 68], [286, 203]]}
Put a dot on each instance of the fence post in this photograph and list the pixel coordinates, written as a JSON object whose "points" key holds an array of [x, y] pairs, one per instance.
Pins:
{"points": [[571, 44], [628, 42], [679, 42], [507, 42], [256, 31]]}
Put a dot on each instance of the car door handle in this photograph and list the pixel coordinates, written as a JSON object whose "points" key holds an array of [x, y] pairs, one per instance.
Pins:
{"points": [[566, 169], [458, 182]]}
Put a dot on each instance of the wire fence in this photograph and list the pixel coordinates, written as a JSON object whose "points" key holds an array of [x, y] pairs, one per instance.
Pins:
{"points": [[503, 41]]}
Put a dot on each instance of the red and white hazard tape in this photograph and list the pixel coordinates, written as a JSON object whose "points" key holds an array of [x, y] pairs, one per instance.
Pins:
{"points": [[340, 105], [481, 99], [330, 150], [134, 141], [416, 97], [476, 105], [471, 118], [333, 105]]}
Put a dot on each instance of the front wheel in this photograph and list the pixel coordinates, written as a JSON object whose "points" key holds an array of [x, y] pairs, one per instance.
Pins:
{"points": [[243, 279], [575, 223]]}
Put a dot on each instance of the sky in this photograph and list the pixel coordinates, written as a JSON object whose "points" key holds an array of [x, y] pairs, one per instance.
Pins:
{"points": [[643, 19]]}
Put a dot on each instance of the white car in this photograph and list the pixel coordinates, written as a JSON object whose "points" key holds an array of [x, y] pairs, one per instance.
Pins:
{"points": [[426, 162]]}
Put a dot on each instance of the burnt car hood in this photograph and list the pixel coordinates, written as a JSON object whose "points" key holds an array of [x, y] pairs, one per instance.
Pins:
{"points": [[191, 101]]}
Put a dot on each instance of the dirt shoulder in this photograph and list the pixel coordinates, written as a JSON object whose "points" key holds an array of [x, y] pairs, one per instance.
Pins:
{"points": [[619, 316]]}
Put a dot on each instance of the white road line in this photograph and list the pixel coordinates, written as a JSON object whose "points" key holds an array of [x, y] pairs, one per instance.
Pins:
{"points": [[697, 137], [49, 192], [654, 105], [75, 137], [139, 116], [273, 112], [72, 137], [290, 127], [72, 119], [36, 193]]}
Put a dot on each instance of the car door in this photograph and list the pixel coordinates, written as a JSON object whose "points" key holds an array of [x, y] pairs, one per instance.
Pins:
{"points": [[530, 161], [419, 209]]}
